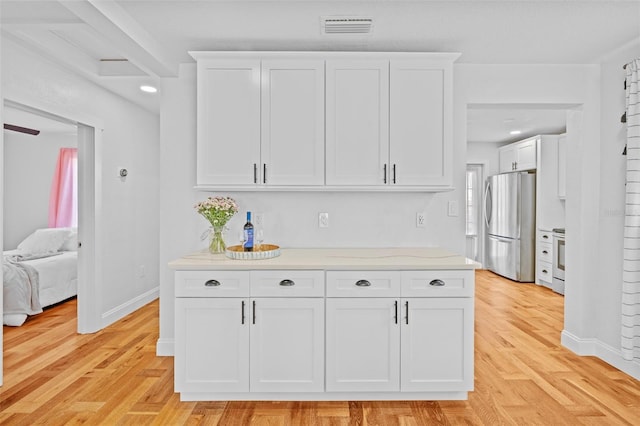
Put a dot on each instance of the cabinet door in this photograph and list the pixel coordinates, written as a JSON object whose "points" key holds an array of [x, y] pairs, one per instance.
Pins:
{"points": [[228, 147], [287, 345], [292, 122], [363, 345], [437, 344], [526, 158], [211, 345], [507, 157], [357, 140], [562, 166], [419, 147]]}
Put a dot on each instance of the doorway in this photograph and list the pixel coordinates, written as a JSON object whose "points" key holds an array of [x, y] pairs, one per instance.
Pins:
{"points": [[88, 319]]}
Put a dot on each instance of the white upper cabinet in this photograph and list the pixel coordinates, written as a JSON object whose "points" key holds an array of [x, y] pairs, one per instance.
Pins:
{"points": [[420, 123], [519, 156], [228, 125], [292, 122], [337, 121], [357, 146]]}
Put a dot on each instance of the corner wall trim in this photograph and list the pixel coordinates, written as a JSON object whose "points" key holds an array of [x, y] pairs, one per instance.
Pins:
{"points": [[129, 306], [607, 353]]}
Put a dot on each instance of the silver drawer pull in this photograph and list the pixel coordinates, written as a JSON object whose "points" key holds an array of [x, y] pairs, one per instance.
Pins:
{"points": [[212, 283], [544, 271], [363, 283], [287, 283], [436, 283], [545, 252]]}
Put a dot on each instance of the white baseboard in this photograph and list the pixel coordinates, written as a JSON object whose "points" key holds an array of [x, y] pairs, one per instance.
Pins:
{"points": [[129, 306], [164, 347], [607, 353]]}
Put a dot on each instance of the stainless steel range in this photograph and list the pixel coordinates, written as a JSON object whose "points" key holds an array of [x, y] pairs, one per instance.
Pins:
{"points": [[558, 260]]}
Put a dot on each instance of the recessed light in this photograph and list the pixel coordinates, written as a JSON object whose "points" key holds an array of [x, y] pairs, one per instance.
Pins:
{"points": [[515, 132], [148, 89]]}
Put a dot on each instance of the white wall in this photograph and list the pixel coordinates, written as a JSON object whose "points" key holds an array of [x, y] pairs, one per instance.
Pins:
{"points": [[485, 153], [128, 210], [291, 219], [29, 164], [607, 294], [558, 85]]}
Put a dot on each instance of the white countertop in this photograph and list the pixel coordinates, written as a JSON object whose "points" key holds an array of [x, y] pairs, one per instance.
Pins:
{"points": [[335, 259]]}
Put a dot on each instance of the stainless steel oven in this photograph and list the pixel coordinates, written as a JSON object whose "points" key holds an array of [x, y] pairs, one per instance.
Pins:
{"points": [[558, 260]]}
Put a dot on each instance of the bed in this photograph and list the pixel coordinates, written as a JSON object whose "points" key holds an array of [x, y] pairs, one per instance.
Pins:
{"points": [[40, 272]]}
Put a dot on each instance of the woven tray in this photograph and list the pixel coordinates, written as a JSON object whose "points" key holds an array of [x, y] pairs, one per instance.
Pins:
{"points": [[264, 251]]}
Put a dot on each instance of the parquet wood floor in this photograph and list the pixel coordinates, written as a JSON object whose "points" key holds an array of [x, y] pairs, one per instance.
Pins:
{"points": [[54, 376]]}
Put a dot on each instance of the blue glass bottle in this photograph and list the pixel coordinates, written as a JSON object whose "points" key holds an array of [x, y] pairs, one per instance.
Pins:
{"points": [[248, 234]]}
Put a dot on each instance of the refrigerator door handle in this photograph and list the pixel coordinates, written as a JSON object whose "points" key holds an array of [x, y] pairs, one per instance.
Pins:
{"points": [[487, 213], [502, 239]]}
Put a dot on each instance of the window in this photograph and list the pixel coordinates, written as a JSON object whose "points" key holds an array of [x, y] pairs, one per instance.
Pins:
{"points": [[473, 199]]}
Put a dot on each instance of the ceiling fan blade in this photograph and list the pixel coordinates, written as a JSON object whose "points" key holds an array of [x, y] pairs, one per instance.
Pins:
{"points": [[21, 129]]}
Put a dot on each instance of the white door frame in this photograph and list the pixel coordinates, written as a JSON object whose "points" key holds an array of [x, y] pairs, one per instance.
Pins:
{"points": [[89, 219]]}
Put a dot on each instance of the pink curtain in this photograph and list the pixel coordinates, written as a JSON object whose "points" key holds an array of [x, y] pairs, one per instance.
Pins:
{"points": [[63, 202]]}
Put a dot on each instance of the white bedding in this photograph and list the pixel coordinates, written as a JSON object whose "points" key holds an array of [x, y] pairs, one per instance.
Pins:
{"points": [[58, 280]]}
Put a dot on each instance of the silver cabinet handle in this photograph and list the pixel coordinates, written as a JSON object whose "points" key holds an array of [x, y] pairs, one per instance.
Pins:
{"points": [[242, 312], [546, 237], [545, 252], [255, 173], [254, 312], [394, 173], [544, 271], [264, 173], [212, 283], [287, 283], [384, 172], [395, 315], [406, 304], [363, 283], [436, 283]]}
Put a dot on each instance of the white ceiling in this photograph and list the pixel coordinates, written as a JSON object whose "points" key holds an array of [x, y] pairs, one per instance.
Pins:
{"points": [[494, 124], [145, 40]]}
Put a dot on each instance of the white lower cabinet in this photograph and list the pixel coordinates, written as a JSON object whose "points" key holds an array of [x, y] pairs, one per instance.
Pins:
{"points": [[212, 345], [363, 344], [406, 344], [324, 335], [287, 345], [437, 344], [413, 345]]}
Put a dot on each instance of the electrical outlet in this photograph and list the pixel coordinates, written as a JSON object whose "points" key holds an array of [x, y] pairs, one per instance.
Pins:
{"points": [[452, 208], [421, 220], [323, 220], [259, 219]]}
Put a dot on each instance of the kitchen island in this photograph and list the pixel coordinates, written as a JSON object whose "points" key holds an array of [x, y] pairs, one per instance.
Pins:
{"points": [[325, 324]]}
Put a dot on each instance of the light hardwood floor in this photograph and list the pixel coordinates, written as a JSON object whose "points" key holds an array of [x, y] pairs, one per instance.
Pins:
{"points": [[522, 376]]}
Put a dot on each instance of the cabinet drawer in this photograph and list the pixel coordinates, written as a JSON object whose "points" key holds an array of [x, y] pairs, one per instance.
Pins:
{"points": [[545, 236], [290, 283], [544, 252], [544, 273], [437, 283], [212, 283], [363, 283]]}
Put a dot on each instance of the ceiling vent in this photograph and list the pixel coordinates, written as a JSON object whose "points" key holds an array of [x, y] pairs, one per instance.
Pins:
{"points": [[346, 25]]}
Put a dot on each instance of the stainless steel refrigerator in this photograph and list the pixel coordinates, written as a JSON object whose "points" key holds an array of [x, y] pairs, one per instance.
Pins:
{"points": [[510, 220]]}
